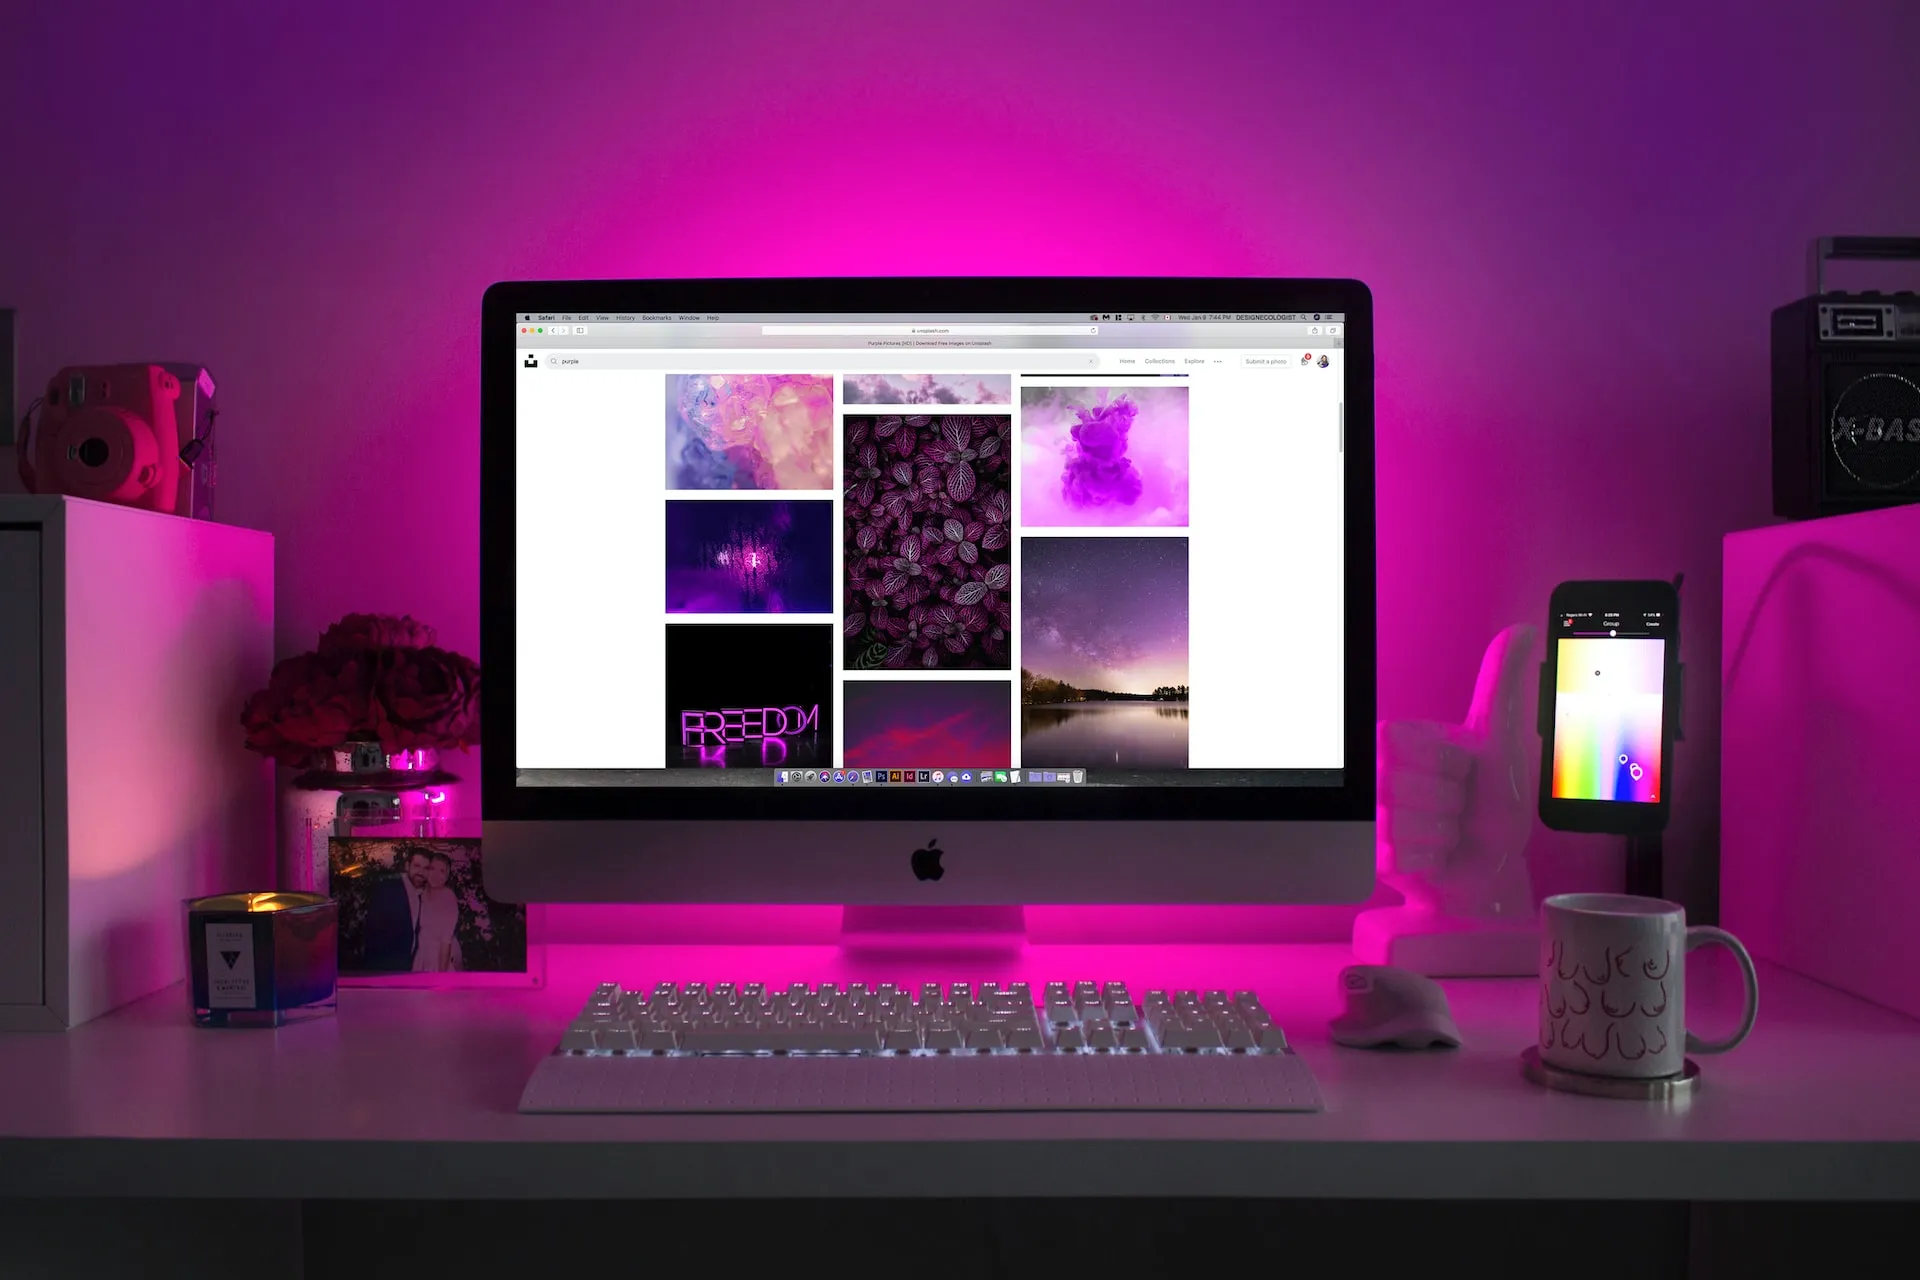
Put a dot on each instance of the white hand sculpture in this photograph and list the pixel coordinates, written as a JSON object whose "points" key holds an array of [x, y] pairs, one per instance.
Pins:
{"points": [[1457, 802]]}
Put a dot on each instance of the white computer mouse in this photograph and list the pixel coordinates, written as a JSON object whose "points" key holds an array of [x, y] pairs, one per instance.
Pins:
{"points": [[1392, 1008]]}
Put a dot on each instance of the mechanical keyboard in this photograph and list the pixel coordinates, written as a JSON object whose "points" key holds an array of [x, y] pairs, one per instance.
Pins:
{"points": [[986, 1046]]}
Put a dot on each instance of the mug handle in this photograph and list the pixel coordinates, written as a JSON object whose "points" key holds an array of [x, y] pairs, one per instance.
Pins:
{"points": [[1701, 935]]}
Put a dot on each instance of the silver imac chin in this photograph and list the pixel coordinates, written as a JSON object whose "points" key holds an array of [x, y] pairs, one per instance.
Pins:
{"points": [[930, 862], [998, 471]]}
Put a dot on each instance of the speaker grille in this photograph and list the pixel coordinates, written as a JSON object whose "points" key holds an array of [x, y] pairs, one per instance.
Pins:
{"points": [[1873, 429]]}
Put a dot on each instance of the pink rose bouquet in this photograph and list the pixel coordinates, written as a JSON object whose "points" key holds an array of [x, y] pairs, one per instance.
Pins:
{"points": [[372, 678]]}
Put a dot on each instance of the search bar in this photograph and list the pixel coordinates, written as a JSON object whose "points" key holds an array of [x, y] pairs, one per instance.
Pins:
{"points": [[925, 330], [1059, 360]]}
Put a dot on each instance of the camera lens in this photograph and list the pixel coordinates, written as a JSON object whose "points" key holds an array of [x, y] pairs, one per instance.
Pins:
{"points": [[93, 452]]}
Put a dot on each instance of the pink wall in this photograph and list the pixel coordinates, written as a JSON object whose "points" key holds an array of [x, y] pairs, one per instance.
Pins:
{"points": [[1574, 228]]}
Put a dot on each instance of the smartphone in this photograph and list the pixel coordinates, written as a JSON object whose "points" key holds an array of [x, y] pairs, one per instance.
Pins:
{"points": [[1610, 706]]}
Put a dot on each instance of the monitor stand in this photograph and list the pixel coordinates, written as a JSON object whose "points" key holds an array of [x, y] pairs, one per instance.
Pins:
{"points": [[933, 931]]}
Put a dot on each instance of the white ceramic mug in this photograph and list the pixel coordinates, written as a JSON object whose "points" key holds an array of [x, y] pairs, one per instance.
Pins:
{"points": [[1613, 992]]}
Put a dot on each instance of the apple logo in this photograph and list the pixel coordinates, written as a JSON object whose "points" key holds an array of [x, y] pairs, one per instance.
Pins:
{"points": [[926, 862]]}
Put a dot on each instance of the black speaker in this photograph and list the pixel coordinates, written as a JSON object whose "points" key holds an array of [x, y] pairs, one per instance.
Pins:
{"points": [[1846, 391]]}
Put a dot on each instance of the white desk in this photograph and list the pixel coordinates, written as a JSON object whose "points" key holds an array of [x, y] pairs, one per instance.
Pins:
{"points": [[413, 1094]]}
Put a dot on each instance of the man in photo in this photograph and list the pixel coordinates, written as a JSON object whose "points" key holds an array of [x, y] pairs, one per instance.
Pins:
{"points": [[392, 936]]}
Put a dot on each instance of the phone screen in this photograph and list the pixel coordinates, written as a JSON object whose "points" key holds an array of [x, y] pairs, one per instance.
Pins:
{"points": [[1609, 705]]}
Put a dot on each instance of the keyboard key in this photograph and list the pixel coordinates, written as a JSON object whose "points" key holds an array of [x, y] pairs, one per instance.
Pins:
{"points": [[723, 1039], [1027, 1038], [658, 1040], [986, 1038], [944, 1035], [1191, 1035], [618, 1039]]}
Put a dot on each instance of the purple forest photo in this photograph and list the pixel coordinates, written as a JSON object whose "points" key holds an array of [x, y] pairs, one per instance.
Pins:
{"points": [[929, 546]]}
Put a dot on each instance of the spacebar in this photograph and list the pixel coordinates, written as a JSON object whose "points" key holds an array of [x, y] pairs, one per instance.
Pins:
{"points": [[571, 1083], [800, 1040]]}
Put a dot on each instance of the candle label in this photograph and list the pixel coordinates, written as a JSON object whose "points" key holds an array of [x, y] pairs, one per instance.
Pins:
{"points": [[230, 966]]}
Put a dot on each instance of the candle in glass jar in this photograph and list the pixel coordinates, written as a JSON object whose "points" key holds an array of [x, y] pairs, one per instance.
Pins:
{"points": [[262, 959]]}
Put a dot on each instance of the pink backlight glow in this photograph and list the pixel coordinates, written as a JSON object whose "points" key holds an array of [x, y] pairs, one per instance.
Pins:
{"points": [[1596, 195]]}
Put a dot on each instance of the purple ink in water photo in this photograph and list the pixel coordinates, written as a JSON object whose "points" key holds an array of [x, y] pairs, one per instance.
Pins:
{"points": [[1101, 457], [749, 556]]}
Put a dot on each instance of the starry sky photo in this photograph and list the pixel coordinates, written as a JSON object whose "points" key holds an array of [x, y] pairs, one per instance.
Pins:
{"points": [[1105, 613]]}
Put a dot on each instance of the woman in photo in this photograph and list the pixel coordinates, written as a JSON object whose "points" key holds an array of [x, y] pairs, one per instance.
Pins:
{"points": [[438, 950]]}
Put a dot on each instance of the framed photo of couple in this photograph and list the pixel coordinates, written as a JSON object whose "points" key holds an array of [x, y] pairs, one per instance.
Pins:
{"points": [[414, 913]]}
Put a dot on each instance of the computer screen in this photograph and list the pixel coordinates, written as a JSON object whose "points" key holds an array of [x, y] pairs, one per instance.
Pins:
{"points": [[783, 581], [850, 550]]}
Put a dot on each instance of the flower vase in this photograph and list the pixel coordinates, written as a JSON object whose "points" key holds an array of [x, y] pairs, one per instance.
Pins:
{"points": [[358, 789]]}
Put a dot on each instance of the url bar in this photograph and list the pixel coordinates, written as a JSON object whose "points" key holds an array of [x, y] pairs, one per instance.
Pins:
{"points": [[923, 330]]}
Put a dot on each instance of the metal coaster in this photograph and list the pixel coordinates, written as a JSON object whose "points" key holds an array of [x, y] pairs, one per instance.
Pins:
{"points": [[1655, 1089]]}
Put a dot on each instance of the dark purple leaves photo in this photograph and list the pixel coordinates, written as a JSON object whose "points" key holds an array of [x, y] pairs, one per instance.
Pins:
{"points": [[929, 546]]}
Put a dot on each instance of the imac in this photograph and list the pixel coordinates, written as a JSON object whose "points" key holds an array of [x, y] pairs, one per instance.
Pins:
{"points": [[938, 593]]}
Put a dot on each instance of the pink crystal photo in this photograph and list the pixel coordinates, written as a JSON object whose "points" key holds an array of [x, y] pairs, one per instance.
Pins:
{"points": [[1101, 457], [750, 431]]}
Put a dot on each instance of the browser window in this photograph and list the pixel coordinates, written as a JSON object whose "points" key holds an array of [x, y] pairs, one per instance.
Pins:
{"points": [[1093, 549]]}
